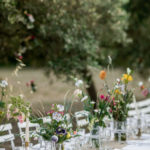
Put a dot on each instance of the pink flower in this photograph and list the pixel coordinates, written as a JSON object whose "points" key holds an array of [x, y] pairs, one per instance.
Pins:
{"points": [[50, 112], [145, 92], [61, 112], [110, 110], [114, 103], [102, 97], [20, 57], [52, 105], [107, 98], [32, 81], [20, 118]]}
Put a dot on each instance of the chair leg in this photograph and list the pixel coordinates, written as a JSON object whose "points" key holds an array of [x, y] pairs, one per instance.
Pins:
{"points": [[12, 145]]}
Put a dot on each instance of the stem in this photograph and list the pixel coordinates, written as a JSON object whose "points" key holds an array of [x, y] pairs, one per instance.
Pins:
{"points": [[2, 94]]}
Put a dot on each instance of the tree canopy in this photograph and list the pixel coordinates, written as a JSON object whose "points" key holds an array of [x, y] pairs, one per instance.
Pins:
{"points": [[68, 35], [137, 53]]}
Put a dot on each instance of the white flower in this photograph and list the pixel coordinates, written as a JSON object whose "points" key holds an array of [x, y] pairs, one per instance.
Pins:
{"points": [[92, 102], [96, 110], [79, 83], [116, 86], [129, 71], [60, 107], [57, 116], [122, 87], [118, 80], [109, 60], [140, 83], [109, 90], [149, 79], [31, 18], [84, 98], [77, 93], [3, 83], [21, 96]]}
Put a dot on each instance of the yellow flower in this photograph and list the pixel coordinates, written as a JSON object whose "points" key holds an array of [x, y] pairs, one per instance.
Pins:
{"points": [[130, 78], [102, 75], [117, 91], [68, 135], [127, 77]]}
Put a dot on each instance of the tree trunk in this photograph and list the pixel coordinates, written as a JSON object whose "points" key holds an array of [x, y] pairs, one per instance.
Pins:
{"points": [[91, 86]]}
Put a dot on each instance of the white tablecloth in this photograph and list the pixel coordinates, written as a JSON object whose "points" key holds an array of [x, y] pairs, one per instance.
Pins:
{"points": [[142, 144]]}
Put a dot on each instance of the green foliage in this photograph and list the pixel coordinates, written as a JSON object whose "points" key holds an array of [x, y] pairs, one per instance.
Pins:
{"points": [[97, 116], [18, 107], [137, 53], [69, 34]]}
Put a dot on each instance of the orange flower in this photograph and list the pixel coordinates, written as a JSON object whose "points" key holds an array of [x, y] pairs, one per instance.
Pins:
{"points": [[102, 74], [142, 87], [74, 132]]}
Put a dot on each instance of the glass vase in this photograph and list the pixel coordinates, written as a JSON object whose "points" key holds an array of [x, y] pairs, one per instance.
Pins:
{"points": [[95, 137], [120, 133], [59, 146]]}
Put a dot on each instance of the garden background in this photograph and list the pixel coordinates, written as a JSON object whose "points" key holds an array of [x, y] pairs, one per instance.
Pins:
{"points": [[58, 39]]}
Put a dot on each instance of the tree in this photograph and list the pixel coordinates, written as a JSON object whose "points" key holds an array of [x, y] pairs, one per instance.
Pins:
{"points": [[69, 35], [137, 53]]}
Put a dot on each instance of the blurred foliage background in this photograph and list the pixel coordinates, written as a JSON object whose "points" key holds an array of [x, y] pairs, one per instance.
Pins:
{"points": [[68, 36], [53, 32]]}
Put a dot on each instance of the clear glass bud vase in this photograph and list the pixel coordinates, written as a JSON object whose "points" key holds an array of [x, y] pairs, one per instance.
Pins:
{"points": [[95, 137], [59, 146], [120, 133]]}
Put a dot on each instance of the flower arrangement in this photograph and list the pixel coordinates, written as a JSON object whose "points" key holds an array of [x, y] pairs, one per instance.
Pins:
{"points": [[57, 130], [18, 109], [121, 96], [96, 115]]}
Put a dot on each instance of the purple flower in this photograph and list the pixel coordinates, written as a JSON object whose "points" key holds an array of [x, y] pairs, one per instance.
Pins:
{"points": [[60, 130], [54, 138]]}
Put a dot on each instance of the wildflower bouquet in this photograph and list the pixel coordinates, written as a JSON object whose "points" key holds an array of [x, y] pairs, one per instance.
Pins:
{"points": [[121, 96], [18, 109], [57, 129], [102, 110], [96, 115]]}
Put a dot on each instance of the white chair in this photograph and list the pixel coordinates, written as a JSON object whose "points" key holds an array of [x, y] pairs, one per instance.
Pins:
{"points": [[143, 108], [8, 137], [22, 127], [82, 118]]}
